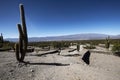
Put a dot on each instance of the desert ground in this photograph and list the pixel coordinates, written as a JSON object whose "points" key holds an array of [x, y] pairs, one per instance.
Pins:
{"points": [[66, 66]]}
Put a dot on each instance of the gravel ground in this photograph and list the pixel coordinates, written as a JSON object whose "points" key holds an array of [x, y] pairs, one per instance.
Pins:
{"points": [[66, 66]]}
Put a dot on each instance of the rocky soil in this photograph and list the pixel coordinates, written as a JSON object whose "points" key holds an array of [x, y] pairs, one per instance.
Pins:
{"points": [[66, 66]]}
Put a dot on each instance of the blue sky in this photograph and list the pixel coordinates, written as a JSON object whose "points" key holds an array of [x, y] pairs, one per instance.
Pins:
{"points": [[61, 17]]}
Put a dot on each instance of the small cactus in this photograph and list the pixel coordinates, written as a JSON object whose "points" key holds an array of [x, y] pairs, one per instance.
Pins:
{"points": [[78, 47], [2, 38], [21, 46], [107, 44]]}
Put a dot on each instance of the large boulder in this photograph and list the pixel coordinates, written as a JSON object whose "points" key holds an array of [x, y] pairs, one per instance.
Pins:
{"points": [[86, 57]]}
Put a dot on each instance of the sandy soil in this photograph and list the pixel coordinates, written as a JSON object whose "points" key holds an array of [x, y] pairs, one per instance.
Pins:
{"points": [[65, 66]]}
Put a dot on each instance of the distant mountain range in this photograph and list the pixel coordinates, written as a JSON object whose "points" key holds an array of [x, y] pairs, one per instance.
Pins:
{"points": [[88, 36]]}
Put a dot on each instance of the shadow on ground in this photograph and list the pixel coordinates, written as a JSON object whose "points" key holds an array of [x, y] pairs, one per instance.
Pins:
{"points": [[54, 64], [71, 55], [72, 50], [43, 54]]}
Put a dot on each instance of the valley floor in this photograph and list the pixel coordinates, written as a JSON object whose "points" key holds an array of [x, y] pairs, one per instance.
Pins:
{"points": [[65, 66]]}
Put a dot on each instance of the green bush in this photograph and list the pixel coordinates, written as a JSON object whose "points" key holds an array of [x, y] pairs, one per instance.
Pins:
{"points": [[6, 46], [5, 49], [90, 46], [116, 49], [1, 45]]}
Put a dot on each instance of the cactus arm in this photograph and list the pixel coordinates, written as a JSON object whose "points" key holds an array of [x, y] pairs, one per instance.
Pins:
{"points": [[20, 38], [24, 27], [22, 15]]}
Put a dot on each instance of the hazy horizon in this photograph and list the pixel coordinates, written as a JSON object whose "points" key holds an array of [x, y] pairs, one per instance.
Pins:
{"points": [[64, 35], [61, 17]]}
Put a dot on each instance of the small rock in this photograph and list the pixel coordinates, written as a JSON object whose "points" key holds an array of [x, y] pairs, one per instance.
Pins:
{"points": [[32, 70], [108, 69], [11, 70]]}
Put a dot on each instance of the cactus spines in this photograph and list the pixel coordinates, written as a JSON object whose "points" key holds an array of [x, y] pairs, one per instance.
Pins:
{"points": [[21, 47]]}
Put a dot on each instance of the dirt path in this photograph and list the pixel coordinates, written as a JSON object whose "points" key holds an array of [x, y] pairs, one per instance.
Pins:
{"points": [[60, 67]]}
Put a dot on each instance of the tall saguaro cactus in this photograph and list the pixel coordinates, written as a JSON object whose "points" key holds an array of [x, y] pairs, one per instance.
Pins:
{"points": [[21, 46]]}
